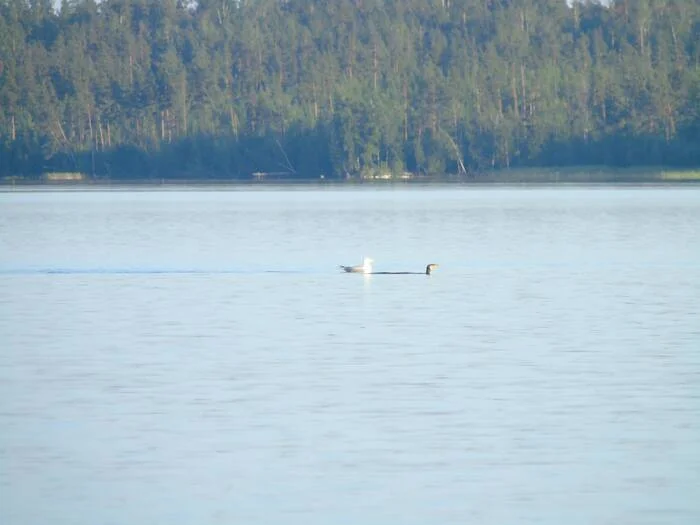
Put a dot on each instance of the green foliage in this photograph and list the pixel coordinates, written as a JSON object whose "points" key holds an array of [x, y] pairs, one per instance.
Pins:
{"points": [[225, 89]]}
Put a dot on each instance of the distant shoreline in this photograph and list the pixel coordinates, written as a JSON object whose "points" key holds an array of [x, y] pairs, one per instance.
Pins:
{"points": [[535, 176]]}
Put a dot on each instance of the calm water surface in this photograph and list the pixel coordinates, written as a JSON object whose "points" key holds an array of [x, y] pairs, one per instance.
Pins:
{"points": [[195, 357]]}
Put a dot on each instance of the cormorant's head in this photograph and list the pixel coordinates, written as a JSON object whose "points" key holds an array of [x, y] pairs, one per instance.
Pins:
{"points": [[429, 269]]}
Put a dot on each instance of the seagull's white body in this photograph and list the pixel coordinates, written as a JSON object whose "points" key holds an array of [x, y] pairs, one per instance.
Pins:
{"points": [[365, 267]]}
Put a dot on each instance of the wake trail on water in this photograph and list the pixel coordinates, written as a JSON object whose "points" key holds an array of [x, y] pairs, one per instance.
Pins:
{"points": [[141, 271]]}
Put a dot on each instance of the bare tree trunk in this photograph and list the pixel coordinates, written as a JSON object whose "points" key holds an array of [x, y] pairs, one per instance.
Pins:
{"points": [[351, 62], [92, 140], [184, 105], [670, 123], [281, 73], [514, 90], [89, 115], [288, 165], [64, 138], [405, 110], [102, 138], [433, 110], [63, 133], [523, 90], [375, 67], [460, 161], [675, 38], [234, 120]]}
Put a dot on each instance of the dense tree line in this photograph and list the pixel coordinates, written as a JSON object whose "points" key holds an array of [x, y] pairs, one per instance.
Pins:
{"points": [[226, 88]]}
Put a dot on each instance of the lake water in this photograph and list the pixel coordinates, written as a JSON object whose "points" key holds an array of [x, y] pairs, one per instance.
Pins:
{"points": [[189, 357]]}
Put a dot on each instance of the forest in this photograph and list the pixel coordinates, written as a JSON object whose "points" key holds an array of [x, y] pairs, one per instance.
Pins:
{"points": [[236, 89]]}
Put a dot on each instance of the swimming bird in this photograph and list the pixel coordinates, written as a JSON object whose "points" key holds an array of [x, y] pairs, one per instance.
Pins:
{"points": [[428, 270], [365, 267]]}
